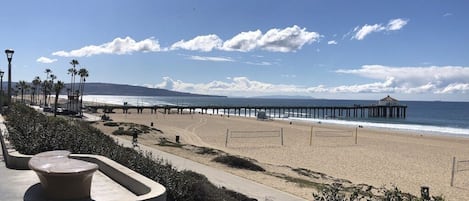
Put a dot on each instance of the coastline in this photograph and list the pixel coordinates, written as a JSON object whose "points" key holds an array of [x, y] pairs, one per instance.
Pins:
{"points": [[404, 128], [381, 156], [410, 124]]}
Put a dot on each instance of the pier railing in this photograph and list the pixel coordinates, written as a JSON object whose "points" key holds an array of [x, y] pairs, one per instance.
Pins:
{"points": [[324, 112]]}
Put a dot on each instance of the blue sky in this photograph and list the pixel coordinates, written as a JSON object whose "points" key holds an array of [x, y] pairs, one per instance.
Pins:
{"points": [[412, 50]]}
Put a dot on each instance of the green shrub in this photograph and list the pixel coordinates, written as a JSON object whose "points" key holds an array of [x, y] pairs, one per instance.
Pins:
{"points": [[120, 131], [237, 162], [206, 150], [167, 143], [31, 132], [111, 124], [335, 192]]}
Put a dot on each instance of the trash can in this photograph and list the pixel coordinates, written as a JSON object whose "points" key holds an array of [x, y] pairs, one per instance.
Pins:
{"points": [[425, 193]]}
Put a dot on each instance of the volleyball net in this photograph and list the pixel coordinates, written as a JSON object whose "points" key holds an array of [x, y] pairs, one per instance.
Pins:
{"points": [[336, 135], [459, 168], [254, 136]]}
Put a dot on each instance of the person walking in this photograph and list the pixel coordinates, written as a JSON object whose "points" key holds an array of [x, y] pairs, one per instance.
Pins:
{"points": [[134, 137]]}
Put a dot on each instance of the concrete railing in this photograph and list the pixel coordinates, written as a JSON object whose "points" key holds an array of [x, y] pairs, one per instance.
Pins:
{"points": [[145, 189]]}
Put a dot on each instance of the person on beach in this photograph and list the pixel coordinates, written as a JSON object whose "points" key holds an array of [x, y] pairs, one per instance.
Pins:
{"points": [[134, 137]]}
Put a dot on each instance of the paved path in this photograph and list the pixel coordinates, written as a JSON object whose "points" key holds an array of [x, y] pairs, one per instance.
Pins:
{"points": [[221, 178]]}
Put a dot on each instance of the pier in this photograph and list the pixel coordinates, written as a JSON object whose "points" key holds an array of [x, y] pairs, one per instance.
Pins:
{"points": [[324, 112], [387, 107]]}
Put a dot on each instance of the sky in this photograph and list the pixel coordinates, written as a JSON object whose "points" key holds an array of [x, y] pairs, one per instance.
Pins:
{"points": [[365, 49]]}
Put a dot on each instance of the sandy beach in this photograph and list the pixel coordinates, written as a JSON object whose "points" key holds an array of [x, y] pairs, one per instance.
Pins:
{"points": [[380, 157]]}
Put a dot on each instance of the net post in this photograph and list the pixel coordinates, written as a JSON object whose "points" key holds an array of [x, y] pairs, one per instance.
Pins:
{"points": [[226, 138], [356, 134], [452, 171], [311, 136], [281, 134]]}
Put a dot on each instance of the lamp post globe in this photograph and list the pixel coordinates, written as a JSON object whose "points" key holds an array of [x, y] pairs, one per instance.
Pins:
{"points": [[9, 53]]}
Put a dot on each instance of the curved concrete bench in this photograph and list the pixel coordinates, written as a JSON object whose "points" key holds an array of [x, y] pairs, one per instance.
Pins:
{"points": [[63, 177], [145, 188]]}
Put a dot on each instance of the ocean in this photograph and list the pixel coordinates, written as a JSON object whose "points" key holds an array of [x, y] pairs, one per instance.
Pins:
{"points": [[426, 117]]}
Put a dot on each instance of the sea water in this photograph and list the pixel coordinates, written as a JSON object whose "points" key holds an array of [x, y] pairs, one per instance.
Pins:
{"points": [[426, 117]]}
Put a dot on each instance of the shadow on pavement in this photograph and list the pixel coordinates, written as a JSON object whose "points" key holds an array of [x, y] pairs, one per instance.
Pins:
{"points": [[35, 193]]}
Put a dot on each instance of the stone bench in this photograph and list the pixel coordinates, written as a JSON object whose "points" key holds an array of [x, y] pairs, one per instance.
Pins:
{"points": [[62, 177]]}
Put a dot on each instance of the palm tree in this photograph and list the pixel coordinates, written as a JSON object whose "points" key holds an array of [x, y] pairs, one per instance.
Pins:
{"points": [[33, 92], [22, 85], [52, 78], [46, 89], [83, 75], [47, 72], [72, 71], [57, 88], [36, 83]]}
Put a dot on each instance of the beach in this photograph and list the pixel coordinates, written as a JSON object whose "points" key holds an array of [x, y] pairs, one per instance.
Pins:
{"points": [[380, 157]]}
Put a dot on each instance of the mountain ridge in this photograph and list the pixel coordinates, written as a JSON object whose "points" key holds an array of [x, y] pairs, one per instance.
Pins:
{"points": [[98, 88]]}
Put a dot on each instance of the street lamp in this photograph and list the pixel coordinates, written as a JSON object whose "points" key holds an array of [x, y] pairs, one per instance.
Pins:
{"points": [[1, 89], [9, 53]]}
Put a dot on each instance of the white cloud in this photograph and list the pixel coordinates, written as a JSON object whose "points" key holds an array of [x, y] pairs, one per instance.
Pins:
{"points": [[118, 46], [243, 42], [200, 58], [447, 14], [455, 88], [396, 24], [289, 39], [240, 86], [393, 25], [288, 75], [200, 43], [401, 80], [45, 60], [367, 29], [433, 79], [262, 63], [332, 42]]}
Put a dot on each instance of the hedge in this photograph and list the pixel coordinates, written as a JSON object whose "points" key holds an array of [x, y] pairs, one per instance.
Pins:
{"points": [[31, 132]]}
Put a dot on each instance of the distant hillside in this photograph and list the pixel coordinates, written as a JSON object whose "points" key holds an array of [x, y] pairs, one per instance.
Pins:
{"points": [[284, 97], [128, 90]]}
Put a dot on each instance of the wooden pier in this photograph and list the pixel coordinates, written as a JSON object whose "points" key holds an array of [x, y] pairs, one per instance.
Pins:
{"points": [[322, 112]]}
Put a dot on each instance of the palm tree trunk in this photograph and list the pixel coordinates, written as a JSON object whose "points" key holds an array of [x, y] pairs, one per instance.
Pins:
{"points": [[55, 105], [81, 98], [22, 100]]}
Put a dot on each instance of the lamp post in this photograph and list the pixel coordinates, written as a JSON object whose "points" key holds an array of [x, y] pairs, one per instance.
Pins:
{"points": [[9, 53], [1, 89]]}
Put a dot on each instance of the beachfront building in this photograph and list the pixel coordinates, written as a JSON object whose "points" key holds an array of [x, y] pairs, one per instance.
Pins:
{"points": [[388, 101], [261, 115], [388, 107]]}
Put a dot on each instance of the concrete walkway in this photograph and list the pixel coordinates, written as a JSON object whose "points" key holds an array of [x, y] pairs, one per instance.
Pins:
{"points": [[220, 178]]}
